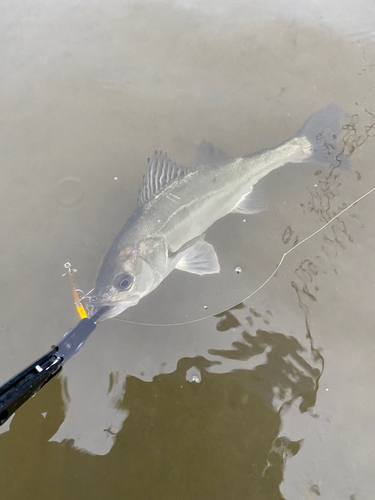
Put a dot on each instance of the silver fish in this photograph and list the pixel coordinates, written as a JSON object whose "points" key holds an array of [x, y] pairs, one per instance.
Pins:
{"points": [[177, 206]]}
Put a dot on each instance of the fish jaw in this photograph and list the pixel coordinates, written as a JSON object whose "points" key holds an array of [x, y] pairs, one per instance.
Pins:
{"points": [[115, 308]]}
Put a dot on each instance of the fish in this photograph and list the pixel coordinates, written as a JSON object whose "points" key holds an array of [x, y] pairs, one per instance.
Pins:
{"points": [[177, 205]]}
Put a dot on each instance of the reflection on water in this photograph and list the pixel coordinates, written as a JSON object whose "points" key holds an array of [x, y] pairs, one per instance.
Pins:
{"points": [[357, 133], [214, 439], [289, 371]]}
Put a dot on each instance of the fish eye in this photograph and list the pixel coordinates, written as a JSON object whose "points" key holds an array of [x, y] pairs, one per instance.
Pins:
{"points": [[124, 281]]}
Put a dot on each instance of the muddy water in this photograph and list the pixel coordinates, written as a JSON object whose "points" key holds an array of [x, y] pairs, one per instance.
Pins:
{"points": [[270, 399]]}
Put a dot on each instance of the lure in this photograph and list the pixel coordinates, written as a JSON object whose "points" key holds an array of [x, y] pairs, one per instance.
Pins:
{"points": [[76, 297]]}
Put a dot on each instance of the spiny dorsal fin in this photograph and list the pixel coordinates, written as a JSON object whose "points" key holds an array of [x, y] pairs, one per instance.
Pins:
{"points": [[161, 171]]}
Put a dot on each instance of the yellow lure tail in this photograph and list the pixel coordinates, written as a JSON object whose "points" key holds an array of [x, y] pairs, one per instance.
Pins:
{"points": [[77, 299]]}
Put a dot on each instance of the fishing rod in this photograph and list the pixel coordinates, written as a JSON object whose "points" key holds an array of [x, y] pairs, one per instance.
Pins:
{"points": [[29, 381]]}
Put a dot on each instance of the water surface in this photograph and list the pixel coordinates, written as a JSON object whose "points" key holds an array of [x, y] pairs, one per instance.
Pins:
{"points": [[271, 399]]}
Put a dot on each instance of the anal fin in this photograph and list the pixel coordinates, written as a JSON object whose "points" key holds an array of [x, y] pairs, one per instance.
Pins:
{"points": [[251, 203]]}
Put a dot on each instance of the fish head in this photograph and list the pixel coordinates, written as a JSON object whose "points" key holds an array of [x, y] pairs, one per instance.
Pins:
{"points": [[128, 274]]}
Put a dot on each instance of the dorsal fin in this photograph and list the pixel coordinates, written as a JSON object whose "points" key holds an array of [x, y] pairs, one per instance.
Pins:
{"points": [[210, 155], [161, 171]]}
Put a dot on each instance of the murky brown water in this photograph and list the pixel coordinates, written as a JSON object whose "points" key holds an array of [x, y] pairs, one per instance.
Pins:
{"points": [[272, 399]]}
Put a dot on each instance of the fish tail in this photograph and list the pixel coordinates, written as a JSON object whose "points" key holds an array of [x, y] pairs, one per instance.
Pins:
{"points": [[321, 130]]}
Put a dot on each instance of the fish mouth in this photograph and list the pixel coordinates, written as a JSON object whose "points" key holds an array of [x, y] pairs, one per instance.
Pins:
{"points": [[94, 309], [114, 309]]}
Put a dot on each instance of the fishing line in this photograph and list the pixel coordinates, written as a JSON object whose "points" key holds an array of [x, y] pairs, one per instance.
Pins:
{"points": [[261, 286]]}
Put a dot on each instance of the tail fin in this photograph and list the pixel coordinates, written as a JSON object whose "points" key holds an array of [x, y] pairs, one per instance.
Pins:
{"points": [[321, 130]]}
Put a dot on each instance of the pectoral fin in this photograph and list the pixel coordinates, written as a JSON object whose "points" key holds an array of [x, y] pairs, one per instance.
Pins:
{"points": [[251, 203], [200, 258]]}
